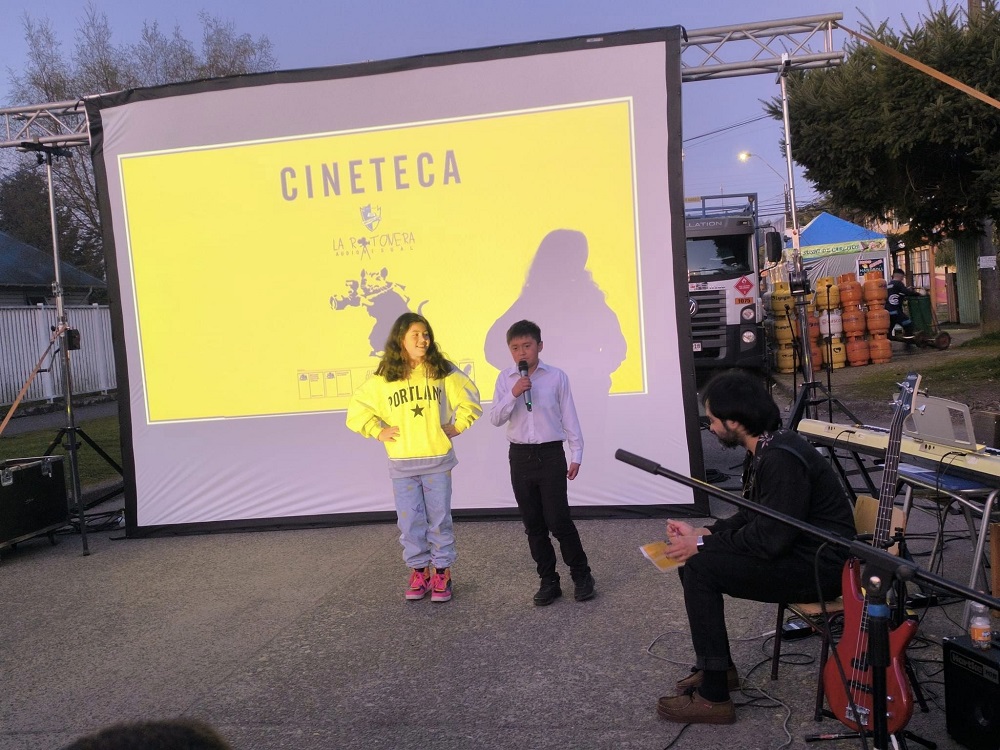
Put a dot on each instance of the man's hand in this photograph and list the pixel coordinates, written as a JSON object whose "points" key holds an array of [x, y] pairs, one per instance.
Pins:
{"points": [[449, 430], [388, 435], [574, 469], [678, 529], [682, 548], [683, 538]]}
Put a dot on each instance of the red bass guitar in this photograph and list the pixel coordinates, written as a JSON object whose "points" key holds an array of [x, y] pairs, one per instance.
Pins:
{"points": [[851, 703]]}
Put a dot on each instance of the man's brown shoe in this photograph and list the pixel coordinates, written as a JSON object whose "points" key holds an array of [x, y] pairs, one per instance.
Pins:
{"points": [[697, 676], [693, 709]]}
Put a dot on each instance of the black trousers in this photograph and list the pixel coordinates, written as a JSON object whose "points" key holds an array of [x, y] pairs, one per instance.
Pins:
{"points": [[709, 574], [538, 477]]}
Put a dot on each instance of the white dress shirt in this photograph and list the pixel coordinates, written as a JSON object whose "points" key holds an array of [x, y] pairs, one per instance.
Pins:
{"points": [[553, 414]]}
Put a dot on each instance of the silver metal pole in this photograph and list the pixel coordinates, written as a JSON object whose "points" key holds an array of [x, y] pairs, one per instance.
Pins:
{"points": [[798, 279], [75, 495]]}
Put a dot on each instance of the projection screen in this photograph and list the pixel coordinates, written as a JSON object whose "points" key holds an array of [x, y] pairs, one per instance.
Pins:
{"points": [[262, 233]]}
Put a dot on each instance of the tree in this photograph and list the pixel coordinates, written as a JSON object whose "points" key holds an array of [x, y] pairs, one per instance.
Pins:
{"points": [[25, 213], [98, 65], [884, 139]]}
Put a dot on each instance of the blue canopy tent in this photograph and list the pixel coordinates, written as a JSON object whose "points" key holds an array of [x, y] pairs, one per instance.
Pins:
{"points": [[830, 247]]}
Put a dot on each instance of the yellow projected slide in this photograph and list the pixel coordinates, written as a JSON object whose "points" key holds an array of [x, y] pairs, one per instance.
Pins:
{"points": [[267, 274]]}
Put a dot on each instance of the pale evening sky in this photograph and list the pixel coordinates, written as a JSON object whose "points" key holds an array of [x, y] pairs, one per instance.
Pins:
{"points": [[310, 33]]}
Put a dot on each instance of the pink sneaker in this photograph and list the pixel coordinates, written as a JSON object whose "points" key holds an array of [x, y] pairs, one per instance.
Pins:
{"points": [[441, 585], [420, 584]]}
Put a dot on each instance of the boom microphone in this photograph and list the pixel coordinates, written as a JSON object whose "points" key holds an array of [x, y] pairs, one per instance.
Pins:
{"points": [[637, 461], [522, 367]]}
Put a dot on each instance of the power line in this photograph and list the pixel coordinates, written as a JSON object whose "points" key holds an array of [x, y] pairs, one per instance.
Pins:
{"points": [[725, 128]]}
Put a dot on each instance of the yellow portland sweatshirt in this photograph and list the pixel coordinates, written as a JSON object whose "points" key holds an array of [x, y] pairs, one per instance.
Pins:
{"points": [[418, 406]]}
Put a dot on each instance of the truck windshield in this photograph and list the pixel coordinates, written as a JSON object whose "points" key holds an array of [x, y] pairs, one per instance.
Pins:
{"points": [[721, 257]]}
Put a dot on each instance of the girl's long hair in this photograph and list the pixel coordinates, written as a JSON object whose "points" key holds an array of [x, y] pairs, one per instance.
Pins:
{"points": [[395, 366]]}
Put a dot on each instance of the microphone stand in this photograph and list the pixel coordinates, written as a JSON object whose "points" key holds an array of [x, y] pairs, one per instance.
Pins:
{"points": [[798, 281], [880, 569]]}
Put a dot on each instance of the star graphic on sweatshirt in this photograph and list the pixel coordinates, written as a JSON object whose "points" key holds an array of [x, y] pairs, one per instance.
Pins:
{"points": [[418, 411]]}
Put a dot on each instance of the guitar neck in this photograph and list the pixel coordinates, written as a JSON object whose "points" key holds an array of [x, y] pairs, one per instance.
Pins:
{"points": [[890, 471]]}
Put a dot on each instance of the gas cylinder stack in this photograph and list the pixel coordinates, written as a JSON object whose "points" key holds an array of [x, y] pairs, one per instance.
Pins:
{"points": [[877, 318], [831, 323], [848, 323], [855, 323], [787, 329]]}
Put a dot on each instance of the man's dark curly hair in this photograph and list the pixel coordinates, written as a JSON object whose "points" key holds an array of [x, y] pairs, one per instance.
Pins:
{"points": [[742, 397], [395, 366]]}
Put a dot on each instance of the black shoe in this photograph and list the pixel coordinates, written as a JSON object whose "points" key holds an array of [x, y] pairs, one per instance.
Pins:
{"points": [[584, 589], [547, 593]]}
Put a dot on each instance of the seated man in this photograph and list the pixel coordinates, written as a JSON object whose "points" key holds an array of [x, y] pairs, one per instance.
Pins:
{"points": [[748, 555]]}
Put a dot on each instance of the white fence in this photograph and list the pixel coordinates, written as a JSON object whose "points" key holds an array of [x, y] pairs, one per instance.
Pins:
{"points": [[24, 335]]}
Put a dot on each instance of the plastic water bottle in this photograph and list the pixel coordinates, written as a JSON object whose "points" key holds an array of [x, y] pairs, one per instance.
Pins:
{"points": [[979, 626]]}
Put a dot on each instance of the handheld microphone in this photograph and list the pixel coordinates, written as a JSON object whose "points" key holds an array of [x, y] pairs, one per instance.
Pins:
{"points": [[522, 367]]}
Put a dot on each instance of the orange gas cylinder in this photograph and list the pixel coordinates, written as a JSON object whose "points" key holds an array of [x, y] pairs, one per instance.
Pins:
{"points": [[815, 352], [784, 358], [834, 352], [857, 351], [854, 320], [880, 349], [875, 288], [814, 332], [851, 292], [877, 319], [827, 294]]}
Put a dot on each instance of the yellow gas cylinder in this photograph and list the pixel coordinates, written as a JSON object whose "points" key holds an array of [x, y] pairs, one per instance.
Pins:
{"points": [[784, 358], [781, 296], [827, 294], [785, 329], [834, 352]]}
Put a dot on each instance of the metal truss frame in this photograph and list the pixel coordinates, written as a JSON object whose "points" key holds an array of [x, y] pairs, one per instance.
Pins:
{"points": [[720, 52]]}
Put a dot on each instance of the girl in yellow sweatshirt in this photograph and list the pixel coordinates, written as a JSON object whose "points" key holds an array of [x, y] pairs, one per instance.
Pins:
{"points": [[414, 404]]}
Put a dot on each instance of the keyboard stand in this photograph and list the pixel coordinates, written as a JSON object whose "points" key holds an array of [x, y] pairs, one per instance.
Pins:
{"points": [[971, 496]]}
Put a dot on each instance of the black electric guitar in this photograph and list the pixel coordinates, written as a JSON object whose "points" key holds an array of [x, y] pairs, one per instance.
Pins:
{"points": [[852, 703]]}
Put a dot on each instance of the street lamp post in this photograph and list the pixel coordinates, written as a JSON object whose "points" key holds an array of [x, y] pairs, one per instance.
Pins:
{"points": [[745, 156]]}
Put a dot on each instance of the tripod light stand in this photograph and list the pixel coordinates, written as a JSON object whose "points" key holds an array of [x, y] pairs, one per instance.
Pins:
{"points": [[46, 153]]}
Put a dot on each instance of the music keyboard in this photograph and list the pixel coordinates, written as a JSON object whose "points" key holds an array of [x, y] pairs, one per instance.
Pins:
{"points": [[982, 465]]}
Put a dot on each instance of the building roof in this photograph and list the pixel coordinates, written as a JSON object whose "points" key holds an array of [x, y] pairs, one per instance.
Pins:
{"points": [[22, 265]]}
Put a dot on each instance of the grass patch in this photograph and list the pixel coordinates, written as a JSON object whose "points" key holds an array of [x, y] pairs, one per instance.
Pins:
{"points": [[951, 379], [989, 340], [93, 469]]}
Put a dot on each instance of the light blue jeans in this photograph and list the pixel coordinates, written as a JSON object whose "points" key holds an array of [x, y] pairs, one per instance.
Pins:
{"points": [[423, 514]]}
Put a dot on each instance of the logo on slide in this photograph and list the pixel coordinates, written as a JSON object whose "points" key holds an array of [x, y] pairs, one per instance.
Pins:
{"points": [[371, 217]]}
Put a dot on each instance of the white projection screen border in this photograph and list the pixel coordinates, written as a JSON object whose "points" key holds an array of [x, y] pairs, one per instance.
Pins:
{"points": [[262, 232]]}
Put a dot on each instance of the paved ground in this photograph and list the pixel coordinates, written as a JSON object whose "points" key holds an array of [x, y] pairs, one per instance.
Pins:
{"points": [[301, 639]]}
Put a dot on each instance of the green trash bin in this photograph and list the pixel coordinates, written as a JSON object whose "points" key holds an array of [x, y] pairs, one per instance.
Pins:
{"points": [[920, 314]]}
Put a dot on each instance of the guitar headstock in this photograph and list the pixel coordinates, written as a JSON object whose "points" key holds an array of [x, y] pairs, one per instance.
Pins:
{"points": [[907, 394]]}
